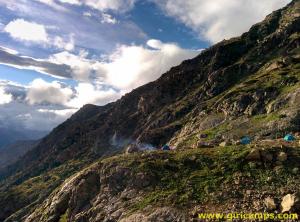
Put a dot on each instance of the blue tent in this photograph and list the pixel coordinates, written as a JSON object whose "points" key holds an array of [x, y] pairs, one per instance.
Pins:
{"points": [[245, 140], [289, 138], [165, 147]]}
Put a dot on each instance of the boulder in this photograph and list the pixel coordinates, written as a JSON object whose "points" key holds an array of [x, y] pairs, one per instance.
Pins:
{"points": [[254, 155], [158, 215], [275, 65], [282, 156], [224, 144], [288, 202], [248, 192], [202, 144], [295, 170], [270, 203], [132, 148]]}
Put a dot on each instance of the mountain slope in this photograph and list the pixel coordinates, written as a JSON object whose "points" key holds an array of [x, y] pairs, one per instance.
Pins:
{"points": [[173, 186], [246, 85]]}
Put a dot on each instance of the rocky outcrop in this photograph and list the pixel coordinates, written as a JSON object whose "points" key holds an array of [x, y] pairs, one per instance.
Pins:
{"points": [[160, 186], [164, 214], [290, 202]]}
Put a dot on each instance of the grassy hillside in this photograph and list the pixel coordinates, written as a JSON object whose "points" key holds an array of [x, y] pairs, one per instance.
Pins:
{"points": [[190, 181]]}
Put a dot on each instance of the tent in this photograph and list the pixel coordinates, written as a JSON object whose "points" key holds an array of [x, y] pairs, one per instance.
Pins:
{"points": [[245, 140], [289, 138], [165, 147]]}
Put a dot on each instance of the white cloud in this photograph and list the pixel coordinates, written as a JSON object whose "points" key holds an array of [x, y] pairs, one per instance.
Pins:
{"points": [[87, 14], [216, 20], [41, 91], [125, 69], [54, 93], [43, 105], [101, 82], [128, 67], [8, 50], [53, 4], [87, 93], [80, 65], [27, 31], [15, 6], [1, 26], [22, 30], [4, 97], [23, 116], [73, 2], [155, 44], [48, 2], [133, 66], [103, 5], [60, 43], [107, 18], [59, 112]]}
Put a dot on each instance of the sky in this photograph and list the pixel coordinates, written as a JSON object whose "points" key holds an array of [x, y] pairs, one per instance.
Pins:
{"points": [[58, 55]]}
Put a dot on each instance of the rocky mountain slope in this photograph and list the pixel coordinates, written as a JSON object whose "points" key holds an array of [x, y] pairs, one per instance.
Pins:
{"points": [[249, 85], [176, 186]]}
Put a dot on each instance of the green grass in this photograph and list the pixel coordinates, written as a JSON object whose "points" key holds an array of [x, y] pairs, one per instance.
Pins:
{"points": [[189, 175], [32, 191], [64, 217], [193, 175], [265, 118]]}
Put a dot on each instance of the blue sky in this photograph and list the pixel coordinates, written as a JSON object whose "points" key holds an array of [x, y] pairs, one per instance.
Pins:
{"points": [[57, 55]]}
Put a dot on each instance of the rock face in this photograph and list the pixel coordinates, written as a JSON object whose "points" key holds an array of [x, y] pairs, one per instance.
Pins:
{"points": [[288, 202], [160, 215], [224, 144], [270, 203], [165, 186], [245, 85], [98, 194]]}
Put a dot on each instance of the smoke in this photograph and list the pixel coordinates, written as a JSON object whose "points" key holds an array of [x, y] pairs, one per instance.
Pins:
{"points": [[118, 142], [145, 146]]}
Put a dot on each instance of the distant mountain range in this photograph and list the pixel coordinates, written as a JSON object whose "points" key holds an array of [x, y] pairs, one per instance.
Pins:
{"points": [[248, 85], [9, 154], [11, 135]]}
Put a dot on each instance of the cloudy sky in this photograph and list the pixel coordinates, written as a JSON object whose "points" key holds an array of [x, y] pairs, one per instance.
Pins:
{"points": [[57, 55]]}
